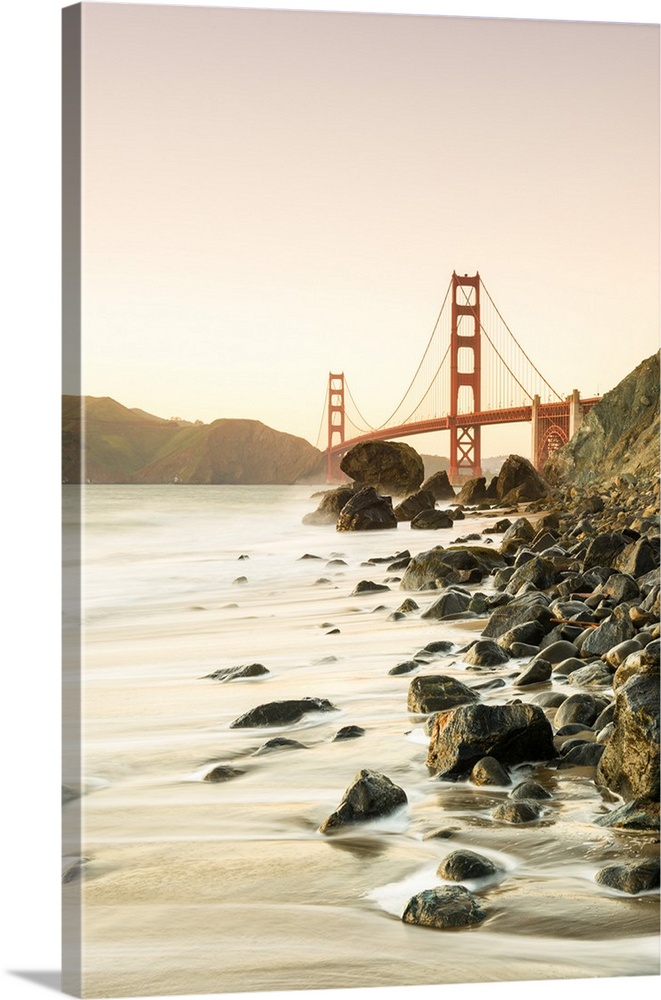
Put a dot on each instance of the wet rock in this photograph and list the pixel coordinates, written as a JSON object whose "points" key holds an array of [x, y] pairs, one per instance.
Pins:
{"points": [[370, 796], [222, 772], [529, 789], [443, 907], [486, 653], [521, 649], [240, 580], [618, 654], [580, 707], [405, 667], [281, 713], [425, 568], [518, 811], [644, 661], [594, 675], [560, 650], [537, 572], [513, 734], [330, 505], [639, 814], [237, 673], [434, 649], [568, 666], [431, 520], [279, 743], [473, 491], [439, 485], [418, 502], [391, 467], [489, 771], [451, 602], [462, 865], [368, 587], [620, 587], [348, 733], [584, 755], [407, 606], [537, 672], [630, 763], [436, 692], [367, 511], [549, 699], [519, 533], [604, 548], [637, 558], [632, 878], [506, 617], [614, 630]]}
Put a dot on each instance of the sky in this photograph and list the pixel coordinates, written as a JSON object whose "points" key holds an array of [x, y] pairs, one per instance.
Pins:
{"points": [[30, 171], [272, 195]]}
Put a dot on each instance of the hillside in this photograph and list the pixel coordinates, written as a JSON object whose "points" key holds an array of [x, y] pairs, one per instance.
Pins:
{"points": [[121, 445], [620, 434]]}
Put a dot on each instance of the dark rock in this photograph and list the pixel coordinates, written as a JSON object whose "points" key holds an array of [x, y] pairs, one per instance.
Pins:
{"points": [[637, 558], [425, 568], [620, 587], [578, 707], [486, 653], [408, 605], [529, 789], [630, 764], [519, 533], [451, 602], [418, 502], [585, 755], [391, 467], [436, 692], [237, 673], [432, 520], [330, 506], [434, 649], [603, 549], [280, 743], [560, 650], [370, 796], [537, 672], [348, 733], [440, 486], [473, 491], [222, 772], [614, 630], [639, 814], [443, 907], [240, 580], [517, 473], [618, 654], [518, 811], [516, 613], [281, 713], [405, 667], [566, 667], [368, 587], [489, 771], [632, 878], [594, 675], [513, 734], [537, 571], [549, 699], [463, 865], [367, 511]]}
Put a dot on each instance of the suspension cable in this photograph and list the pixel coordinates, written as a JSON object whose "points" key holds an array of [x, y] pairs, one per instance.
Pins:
{"points": [[548, 384], [324, 413], [429, 387], [369, 427]]}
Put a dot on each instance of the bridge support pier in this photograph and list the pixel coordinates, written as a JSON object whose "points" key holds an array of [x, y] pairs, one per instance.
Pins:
{"points": [[575, 412]]}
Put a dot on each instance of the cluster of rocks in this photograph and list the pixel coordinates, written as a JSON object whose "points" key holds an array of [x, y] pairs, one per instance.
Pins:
{"points": [[383, 469]]}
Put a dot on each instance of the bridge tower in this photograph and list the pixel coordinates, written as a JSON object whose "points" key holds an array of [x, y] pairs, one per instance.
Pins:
{"points": [[335, 422], [465, 371]]}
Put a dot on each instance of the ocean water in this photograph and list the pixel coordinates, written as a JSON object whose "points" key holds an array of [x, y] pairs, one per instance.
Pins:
{"points": [[190, 886]]}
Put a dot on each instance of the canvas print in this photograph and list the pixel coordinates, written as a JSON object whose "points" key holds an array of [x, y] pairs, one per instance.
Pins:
{"points": [[360, 472]]}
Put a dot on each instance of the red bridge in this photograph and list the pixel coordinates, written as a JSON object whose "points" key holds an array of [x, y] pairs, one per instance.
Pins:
{"points": [[487, 368]]}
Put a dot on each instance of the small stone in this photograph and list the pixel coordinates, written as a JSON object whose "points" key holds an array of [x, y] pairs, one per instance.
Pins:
{"points": [[521, 811], [632, 878], [348, 733], [222, 772], [489, 771], [370, 796], [537, 672], [529, 789], [443, 907], [462, 865]]}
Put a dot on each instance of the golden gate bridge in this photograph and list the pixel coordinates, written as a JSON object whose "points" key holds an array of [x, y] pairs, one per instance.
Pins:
{"points": [[473, 373]]}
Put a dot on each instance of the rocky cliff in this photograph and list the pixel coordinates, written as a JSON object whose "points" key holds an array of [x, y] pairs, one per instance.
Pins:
{"points": [[120, 445], [620, 434]]}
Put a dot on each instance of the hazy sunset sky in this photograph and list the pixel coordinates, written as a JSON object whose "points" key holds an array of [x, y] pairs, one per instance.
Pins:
{"points": [[270, 195]]}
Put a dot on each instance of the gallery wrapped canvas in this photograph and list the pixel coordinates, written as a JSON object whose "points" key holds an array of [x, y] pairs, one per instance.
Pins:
{"points": [[357, 701]]}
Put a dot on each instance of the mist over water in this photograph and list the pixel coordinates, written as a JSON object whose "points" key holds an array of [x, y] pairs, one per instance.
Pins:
{"points": [[195, 886]]}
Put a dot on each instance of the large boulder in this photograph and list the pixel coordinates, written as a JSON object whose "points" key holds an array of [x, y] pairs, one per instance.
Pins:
{"points": [[423, 500], [330, 505], [438, 692], [391, 467], [513, 734], [367, 511], [443, 907], [630, 763], [370, 796], [440, 486], [473, 491], [519, 474], [426, 567]]}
